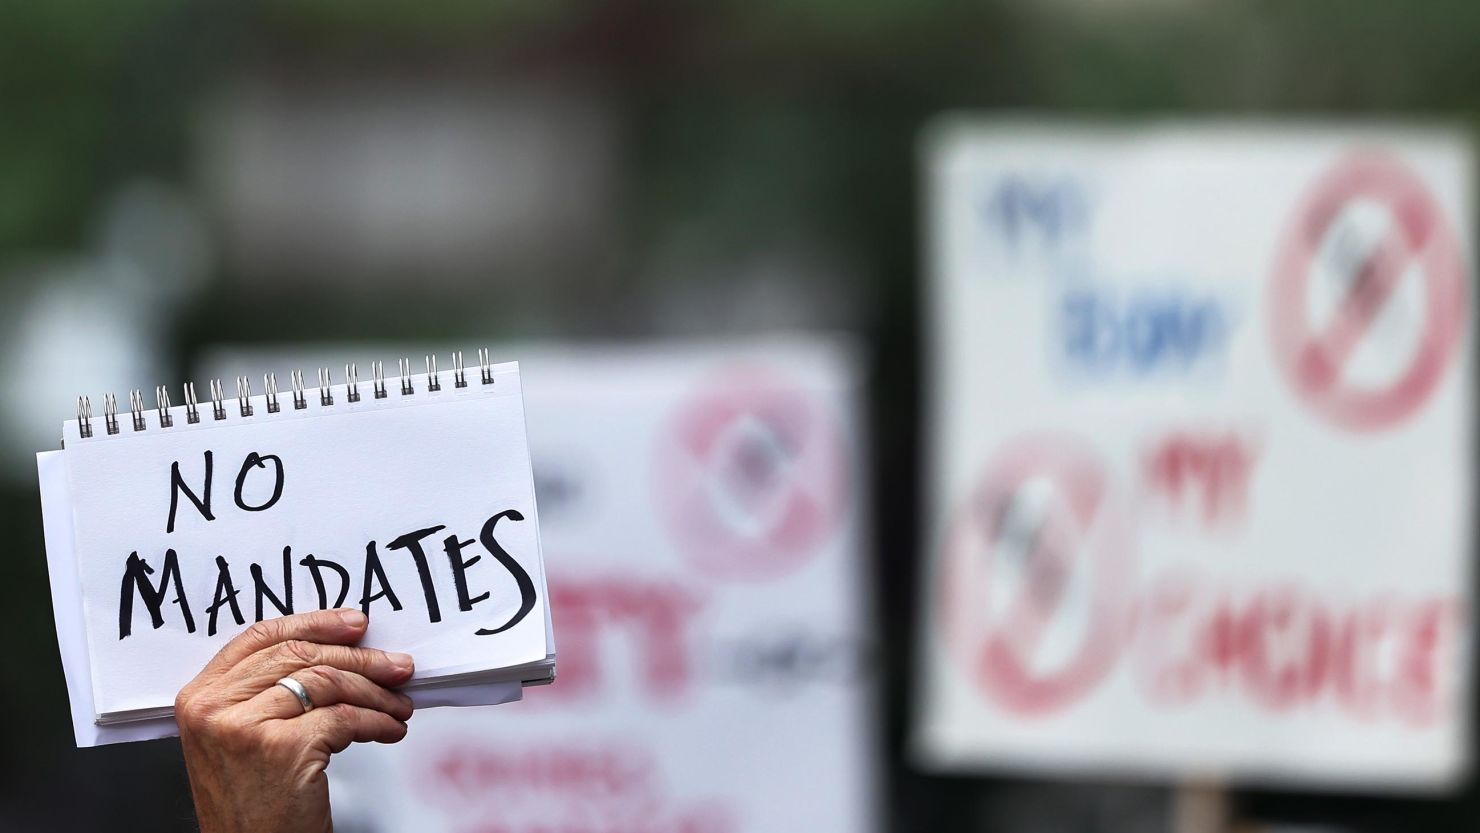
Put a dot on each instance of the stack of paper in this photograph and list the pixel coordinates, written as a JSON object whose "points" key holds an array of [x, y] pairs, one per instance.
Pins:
{"points": [[171, 529]]}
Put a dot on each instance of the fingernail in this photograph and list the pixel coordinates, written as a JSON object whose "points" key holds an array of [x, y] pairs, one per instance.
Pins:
{"points": [[353, 618], [400, 660]]}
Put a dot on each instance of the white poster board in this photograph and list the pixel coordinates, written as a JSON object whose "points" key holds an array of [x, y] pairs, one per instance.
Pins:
{"points": [[702, 514], [1199, 452]]}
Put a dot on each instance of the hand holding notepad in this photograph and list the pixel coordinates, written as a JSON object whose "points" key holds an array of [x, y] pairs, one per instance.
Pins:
{"points": [[411, 500]]}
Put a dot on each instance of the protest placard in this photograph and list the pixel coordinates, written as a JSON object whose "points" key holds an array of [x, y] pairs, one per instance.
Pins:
{"points": [[1200, 444], [410, 500]]}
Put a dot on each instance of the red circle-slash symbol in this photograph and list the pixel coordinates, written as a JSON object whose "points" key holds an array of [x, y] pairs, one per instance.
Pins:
{"points": [[752, 475], [1037, 579], [1415, 240]]}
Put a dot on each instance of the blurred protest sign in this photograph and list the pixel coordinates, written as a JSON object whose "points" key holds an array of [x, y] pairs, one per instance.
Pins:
{"points": [[700, 508], [1200, 464]]}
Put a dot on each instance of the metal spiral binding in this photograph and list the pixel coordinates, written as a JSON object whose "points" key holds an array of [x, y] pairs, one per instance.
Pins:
{"points": [[244, 395], [487, 366], [326, 388], [269, 386], [459, 379], [136, 407], [272, 398], [84, 417], [377, 378], [299, 400], [406, 389], [218, 400], [192, 407], [162, 402], [110, 412]]}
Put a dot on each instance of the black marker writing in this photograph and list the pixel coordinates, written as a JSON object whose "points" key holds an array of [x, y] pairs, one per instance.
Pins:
{"points": [[313, 564], [177, 485], [412, 541], [284, 603], [373, 580], [375, 573], [255, 460], [225, 596], [136, 577], [454, 546], [526, 586]]}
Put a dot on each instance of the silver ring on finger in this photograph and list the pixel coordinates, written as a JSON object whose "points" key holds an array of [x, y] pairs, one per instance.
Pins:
{"points": [[298, 691]]}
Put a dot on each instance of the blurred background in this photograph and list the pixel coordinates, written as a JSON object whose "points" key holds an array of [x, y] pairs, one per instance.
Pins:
{"points": [[176, 176]]}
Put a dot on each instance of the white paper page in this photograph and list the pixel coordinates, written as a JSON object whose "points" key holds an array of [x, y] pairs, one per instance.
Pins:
{"points": [[352, 474], [66, 601]]}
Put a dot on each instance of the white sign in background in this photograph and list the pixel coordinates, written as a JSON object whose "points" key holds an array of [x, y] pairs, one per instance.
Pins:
{"points": [[701, 512], [1199, 477], [210, 526]]}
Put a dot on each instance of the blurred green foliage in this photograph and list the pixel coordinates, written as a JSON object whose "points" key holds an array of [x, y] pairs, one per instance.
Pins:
{"points": [[59, 62], [98, 90]]}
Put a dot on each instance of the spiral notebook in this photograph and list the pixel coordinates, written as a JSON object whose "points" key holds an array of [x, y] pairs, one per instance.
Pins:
{"points": [[410, 497]]}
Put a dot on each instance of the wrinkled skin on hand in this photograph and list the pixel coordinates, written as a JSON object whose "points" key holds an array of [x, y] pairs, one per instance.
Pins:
{"points": [[256, 759]]}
